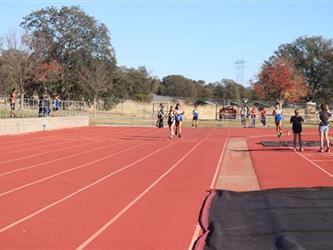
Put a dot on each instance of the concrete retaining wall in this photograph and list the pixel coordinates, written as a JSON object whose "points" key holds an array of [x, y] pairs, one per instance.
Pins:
{"points": [[27, 125]]}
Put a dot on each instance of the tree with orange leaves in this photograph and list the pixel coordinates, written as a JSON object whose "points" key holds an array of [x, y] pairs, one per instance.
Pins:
{"points": [[48, 71], [280, 80]]}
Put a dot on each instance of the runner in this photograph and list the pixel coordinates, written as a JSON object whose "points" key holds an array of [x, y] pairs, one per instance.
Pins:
{"points": [[171, 122], [179, 120], [296, 121], [277, 112], [324, 117]]}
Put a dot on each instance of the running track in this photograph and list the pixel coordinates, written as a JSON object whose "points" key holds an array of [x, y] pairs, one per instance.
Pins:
{"points": [[128, 188]]}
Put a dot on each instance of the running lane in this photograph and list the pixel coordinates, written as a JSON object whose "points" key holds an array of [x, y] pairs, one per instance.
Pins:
{"points": [[166, 216], [280, 167], [70, 222]]}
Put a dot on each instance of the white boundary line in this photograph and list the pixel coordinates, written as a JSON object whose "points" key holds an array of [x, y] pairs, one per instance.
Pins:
{"points": [[62, 158], [80, 190], [212, 185], [55, 160], [66, 171], [27, 147], [43, 146], [45, 152], [14, 142], [218, 167], [27, 141], [316, 165], [133, 202]]}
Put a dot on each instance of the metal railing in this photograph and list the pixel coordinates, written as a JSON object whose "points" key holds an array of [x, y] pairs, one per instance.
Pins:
{"points": [[33, 108], [129, 112]]}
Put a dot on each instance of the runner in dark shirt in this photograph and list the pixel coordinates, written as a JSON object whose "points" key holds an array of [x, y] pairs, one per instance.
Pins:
{"points": [[296, 121]]}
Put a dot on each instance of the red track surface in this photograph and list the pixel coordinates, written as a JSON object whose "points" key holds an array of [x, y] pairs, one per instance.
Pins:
{"points": [[127, 188]]}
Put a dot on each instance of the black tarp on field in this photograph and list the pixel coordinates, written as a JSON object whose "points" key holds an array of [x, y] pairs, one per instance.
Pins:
{"points": [[289, 143], [299, 218]]}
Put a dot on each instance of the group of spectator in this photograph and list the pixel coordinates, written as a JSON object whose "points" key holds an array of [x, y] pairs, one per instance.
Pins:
{"points": [[247, 113], [44, 103]]}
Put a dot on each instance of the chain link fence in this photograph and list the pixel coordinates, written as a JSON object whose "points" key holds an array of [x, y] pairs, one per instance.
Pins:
{"points": [[115, 111], [33, 108]]}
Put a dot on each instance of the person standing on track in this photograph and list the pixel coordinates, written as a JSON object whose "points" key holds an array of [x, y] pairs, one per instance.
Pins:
{"points": [[243, 114], [296, 121], [253, 116], [179, 119], [277, 113], [263, 113], [324, 117], [195, 117], [160, 116], [171, 122]]}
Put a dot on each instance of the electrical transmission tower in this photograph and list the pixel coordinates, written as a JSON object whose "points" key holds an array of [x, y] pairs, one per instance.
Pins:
{"points": [[240, 67]]}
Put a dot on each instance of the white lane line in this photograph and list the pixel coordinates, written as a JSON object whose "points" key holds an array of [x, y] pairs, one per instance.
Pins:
{"points": [[316, 165], [67, 171], [322, 160], [80, 190], [34, 143], [218, 167], [197, 230], [195, 236], [133, 202], [14, 151], [58, 159], [44, 152], [20, 144]]}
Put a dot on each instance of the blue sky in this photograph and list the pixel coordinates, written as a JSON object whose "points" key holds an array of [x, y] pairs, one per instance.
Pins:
{"points": [[198, 39]]}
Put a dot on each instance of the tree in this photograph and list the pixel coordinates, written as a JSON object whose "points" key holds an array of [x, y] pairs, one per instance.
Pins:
{"points": [[202, 90], [16, 63], [98, 74], [45, 75], [178, 86], [313, 56], [229, 89], [280, 81], [136, 84], [75, 40]]}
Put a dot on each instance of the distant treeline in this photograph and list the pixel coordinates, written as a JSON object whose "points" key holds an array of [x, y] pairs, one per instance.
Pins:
{"points": [[69, 53]]}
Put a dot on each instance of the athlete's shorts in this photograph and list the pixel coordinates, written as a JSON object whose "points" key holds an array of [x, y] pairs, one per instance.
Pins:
{"points": [[179, 118], [12, 105], [278, 118], [324, 129]]}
